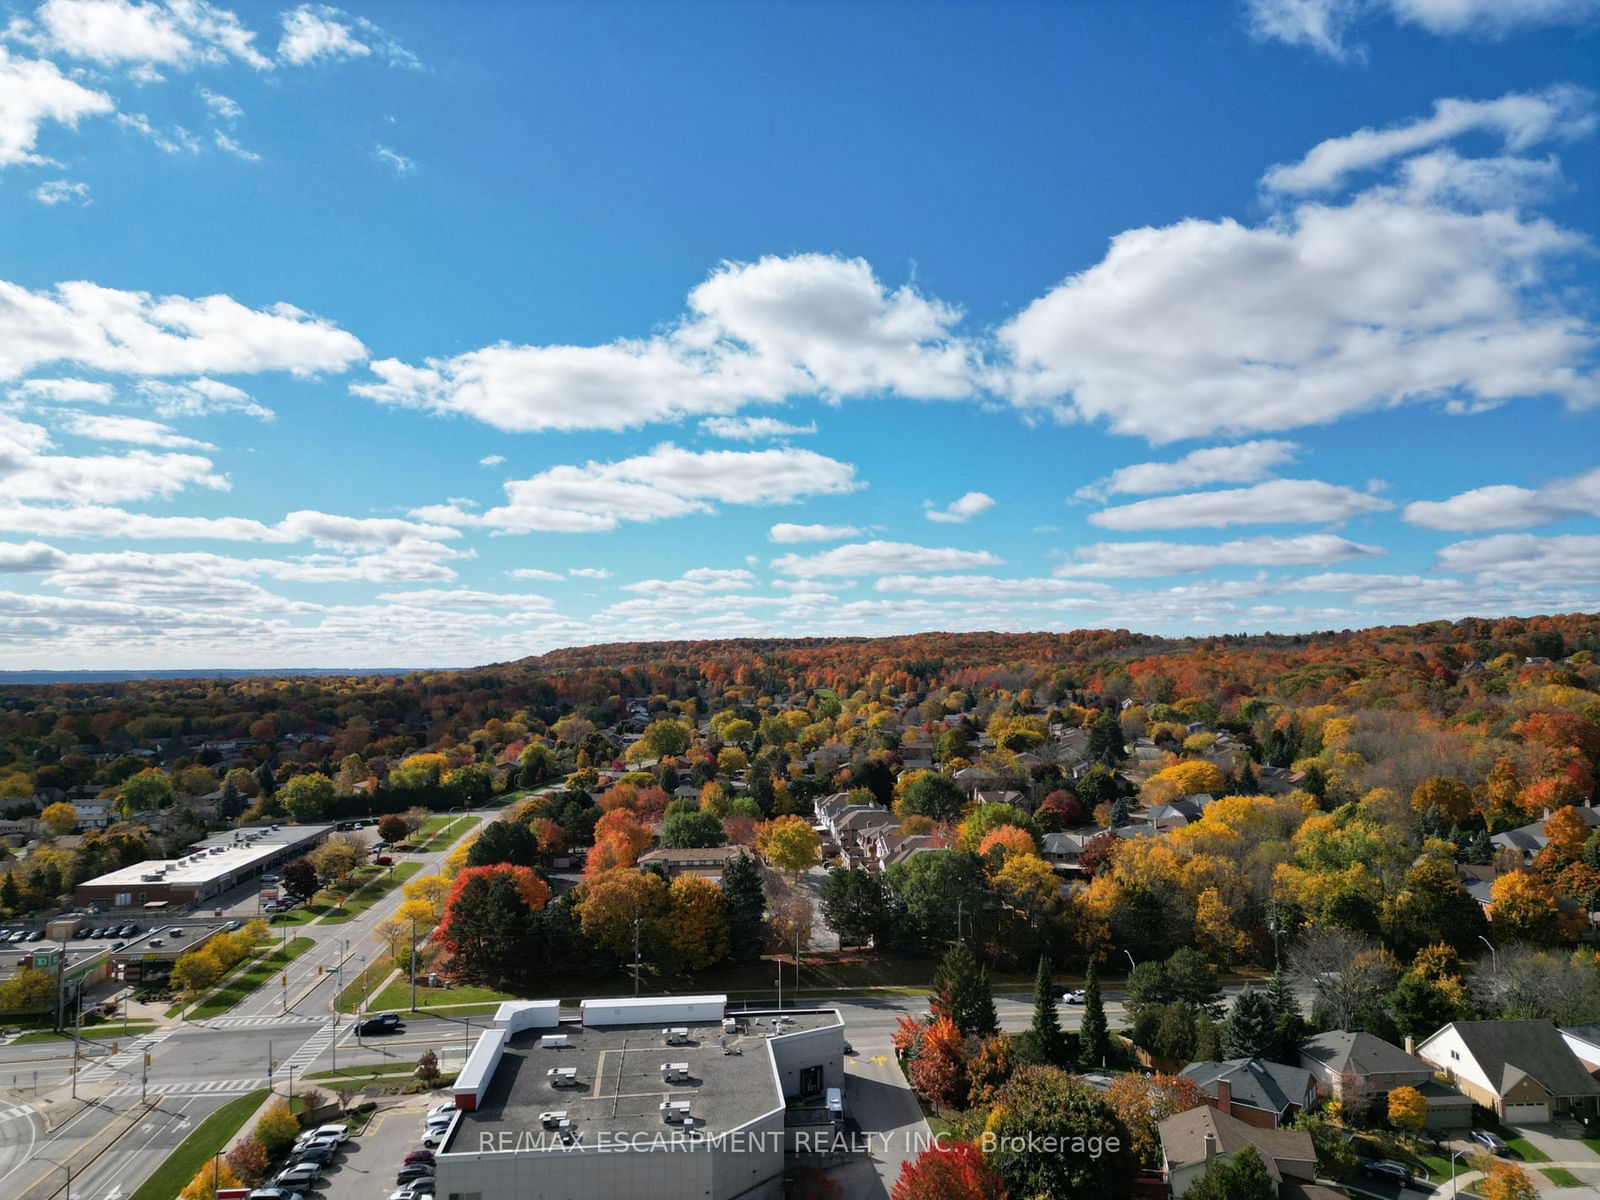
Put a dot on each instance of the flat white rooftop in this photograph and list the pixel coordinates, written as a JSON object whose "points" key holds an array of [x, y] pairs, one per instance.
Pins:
{"points": [[226, 854]]}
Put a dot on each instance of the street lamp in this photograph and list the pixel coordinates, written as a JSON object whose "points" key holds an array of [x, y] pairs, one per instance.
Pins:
{"points": [[1494, 959], [1131, 963]]}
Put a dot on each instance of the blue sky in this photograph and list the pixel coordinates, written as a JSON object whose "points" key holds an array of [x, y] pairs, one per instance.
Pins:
{"points": [[426, 334]]}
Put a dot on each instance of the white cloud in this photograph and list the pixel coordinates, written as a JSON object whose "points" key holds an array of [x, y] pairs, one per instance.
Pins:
{"points": [[199, 397], [395, 160], [226, 143], [667, 482], [28, 557], [176, 140], [536, 573], [750, 429], [1276, 502], [787, 533], [1132, 559], [143, 36], [63, 391], [1505, 181], [28, 473], [224, 108], [465, 598], [133, 430], [1504, 506], [1242, 463], [1323, 25], [1326, 312], [62, 191], [881, 558], [32, 92], [315, 33], [698, 581], [1520, 120], [959, 511], [589, 572], [141, 334], [755, 332], [985, 587], [491, 460], [1524, 558]]}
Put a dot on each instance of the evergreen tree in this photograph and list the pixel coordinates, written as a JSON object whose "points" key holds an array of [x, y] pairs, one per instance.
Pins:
{"points": [[961, 989], [1288, 1026], [10, 894], [1105, 738], [1250, 1031], [1093, 1043], [265, 778], [747, 904], [1048, 1037], [231, 803], [1207, 1040], [1247, 783]]}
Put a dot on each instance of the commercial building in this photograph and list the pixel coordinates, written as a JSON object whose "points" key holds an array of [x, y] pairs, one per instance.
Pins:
{"points": [[208, 869], [653, 1099]]}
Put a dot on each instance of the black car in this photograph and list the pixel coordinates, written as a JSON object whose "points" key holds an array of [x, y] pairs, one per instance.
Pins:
{"points": [[382, 1023], [321, 1155]]}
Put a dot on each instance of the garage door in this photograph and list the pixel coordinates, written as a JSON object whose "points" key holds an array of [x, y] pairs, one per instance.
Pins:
{"points": [[1527, 1114]]}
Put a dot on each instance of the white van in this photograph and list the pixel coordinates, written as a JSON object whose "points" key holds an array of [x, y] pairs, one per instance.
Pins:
{"points": [[835, 1099]]}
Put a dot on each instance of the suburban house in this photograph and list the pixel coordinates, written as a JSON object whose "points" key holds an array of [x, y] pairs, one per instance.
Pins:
{"points": [[92, 814], [1255, 1091], [1192, 1141], [1528, 840], [708, 862], [1361, 1068], [1524, 1070], [1584, 1041]]}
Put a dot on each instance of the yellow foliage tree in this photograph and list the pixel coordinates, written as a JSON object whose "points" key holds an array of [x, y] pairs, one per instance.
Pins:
{"points": [[696, 924], [1408, 1109], [1502, 1180], [1026, 882], [1521, 908], [1214, 929], [61, 817], [788, 843], [209, 1181]]}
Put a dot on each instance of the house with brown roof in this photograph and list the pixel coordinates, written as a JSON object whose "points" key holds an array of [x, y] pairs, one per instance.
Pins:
{"points": [[1360, 1068], [1193, 1141]]}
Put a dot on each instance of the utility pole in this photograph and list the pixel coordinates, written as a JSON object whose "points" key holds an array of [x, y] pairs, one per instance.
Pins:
{"points": [[413, 964], [269, 1064], [636, 956], [77, 1032], [144, 1082]]}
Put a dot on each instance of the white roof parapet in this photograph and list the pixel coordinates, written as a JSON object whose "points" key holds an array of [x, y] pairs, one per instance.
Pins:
{"points": [[516, 1015]]}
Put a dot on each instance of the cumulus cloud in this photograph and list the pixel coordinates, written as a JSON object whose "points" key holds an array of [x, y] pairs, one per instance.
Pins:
{"points": [[881, 558], [985, 587], [1276, 502], [787, 533], [536, 573], [959, 511], [33, 92], [198, 397], [1326, 312], [138, 333], [133, 430], [29, 557], [1325, 25], [27, 472], [1520, 120], [754, 332], [589, 572], [1242, 463], [491, 460], [466, 598], [697, 581], [319, 33], [1525, 558], [1133, 559], [105, 521], [1504, 506], [143, 33], [667, 482], [62, 391], [750, 429]]}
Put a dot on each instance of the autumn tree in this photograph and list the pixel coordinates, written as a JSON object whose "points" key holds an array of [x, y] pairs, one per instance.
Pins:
{"points": [[28, 990], [300, 879], [337, 858], [1142, 1102], [1502, 1179], [696, 923], [277, 1128], [307, 798], [249, 1161], [788, 843], [956, 1171], [1408, 1110], [1565, 831], [612, 902], [490, 926], [60, 817], [392, 828], [1521, 908], [209, 1181], [1039, 1111], [1450, 798]]}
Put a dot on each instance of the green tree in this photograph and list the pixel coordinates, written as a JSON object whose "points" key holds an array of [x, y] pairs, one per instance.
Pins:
{"points": [[1048, 1037], [855, 905], [539, 764], [504, 842], [694, 830], [150, 789], [1288, 1025], [1240, 1176], [1420, 1005], [266, 781], [28, 990], [1193, 980], [1039, 1116], [961, 992], [10, 894], [746, 903], [932, 889], [1094, 1044], [1105, 738], [665, 739], [1250, 1031], [308, 798], [932, 795]]}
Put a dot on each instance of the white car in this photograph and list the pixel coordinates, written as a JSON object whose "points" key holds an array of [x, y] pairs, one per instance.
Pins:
{"points": [[1072, 996], [337, 1132], [441, 1110]]}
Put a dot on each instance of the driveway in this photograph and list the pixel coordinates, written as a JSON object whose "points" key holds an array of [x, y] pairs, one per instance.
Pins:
{"points": [[1564, 1151]]}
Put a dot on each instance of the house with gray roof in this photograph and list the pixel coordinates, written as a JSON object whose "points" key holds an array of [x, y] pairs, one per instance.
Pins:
{"points": [[1253, 1090], [1363, 1069], [1524, 1070], [1528, 840]]}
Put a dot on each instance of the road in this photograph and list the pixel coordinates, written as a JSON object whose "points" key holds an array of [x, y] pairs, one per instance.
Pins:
{"points": [[194, 1066]]}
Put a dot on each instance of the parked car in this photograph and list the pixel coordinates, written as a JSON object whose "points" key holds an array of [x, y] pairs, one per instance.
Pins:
{"points": [[421, 1156], [1386, 1168], [129, 929], [275, 1193], [302, 1175], [79, 935], [1072, 996], [307, 1141], [1492, 1143], [417, 1189], [382, 1023], [338, 1132], [414, 1172], [385, 860], [319, 1153], [441, 1110], [156, 943]]}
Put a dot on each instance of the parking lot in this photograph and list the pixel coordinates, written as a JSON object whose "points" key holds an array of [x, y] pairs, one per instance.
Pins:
{"points": [[367, 1167]]}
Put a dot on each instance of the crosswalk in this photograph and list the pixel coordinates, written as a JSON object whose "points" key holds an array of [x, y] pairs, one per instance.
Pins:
{"points": [[194, 1087], [312, 1050], [132, 1056], [13, 1112], [262, 1022]]}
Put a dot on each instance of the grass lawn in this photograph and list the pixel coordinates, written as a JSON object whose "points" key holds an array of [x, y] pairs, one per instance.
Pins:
{"points": [[370, 892], [1524, 1149], [212, 1135], [256, 973], [362, 985], [1561, 1177], [101, 1033], [402, 1068], [442, 835], [397, 996], [1438, 1166]]}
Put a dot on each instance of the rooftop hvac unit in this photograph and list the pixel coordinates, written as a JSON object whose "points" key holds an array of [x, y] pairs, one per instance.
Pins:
{"points": [[676, 1036], [553, 1041], [551, 1120], [674, 1111]]}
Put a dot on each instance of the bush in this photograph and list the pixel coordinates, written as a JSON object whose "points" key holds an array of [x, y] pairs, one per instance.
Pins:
{"points": [[277, 1128]]}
